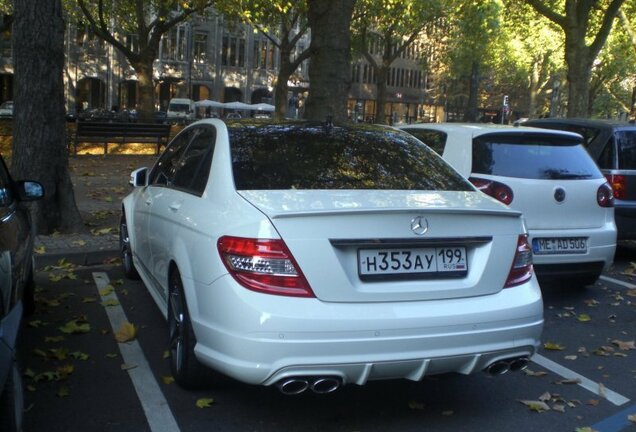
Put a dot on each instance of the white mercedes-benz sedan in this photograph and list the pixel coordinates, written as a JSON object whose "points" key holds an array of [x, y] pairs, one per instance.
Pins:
{"points": [[310, 255]]}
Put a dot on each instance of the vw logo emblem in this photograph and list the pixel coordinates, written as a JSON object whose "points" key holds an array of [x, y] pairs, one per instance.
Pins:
{"points": [[559, 194], [419, 225]]}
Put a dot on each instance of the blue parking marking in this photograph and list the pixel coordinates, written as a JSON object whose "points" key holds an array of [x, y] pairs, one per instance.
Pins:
{"points": [[616, 423]]}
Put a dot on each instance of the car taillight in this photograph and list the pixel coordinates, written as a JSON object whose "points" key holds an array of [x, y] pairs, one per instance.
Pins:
{"points": [[521, 270], [605, 195], [618, 184], [263, 265], [498, 191]]}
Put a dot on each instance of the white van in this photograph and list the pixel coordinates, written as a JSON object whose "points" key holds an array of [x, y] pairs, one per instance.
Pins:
{"points": [[181, 111]]}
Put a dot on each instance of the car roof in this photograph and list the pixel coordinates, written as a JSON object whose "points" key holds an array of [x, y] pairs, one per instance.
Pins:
{"points": [[476, 129]]}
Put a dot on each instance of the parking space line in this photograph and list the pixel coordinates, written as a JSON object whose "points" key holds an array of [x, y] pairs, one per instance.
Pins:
{"points": [[617, 422], [586, 383], [618, 282], [155, 406]]}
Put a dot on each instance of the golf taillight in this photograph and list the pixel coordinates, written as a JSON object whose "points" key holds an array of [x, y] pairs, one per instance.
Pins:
{"points": [[619, 185], [497, 190], [263, 265], [521, 270]]}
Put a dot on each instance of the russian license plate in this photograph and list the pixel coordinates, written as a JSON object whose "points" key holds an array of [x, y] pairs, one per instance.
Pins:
{"points": [[411, 263], [563, 245]]}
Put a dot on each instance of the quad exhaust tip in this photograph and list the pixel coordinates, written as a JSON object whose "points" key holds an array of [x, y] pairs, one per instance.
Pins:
{"points": [[298, 385], [500, 367]]}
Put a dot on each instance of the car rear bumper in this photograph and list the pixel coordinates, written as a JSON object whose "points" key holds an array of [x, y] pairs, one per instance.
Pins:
{"points": [[601, 246], [261, 339]]}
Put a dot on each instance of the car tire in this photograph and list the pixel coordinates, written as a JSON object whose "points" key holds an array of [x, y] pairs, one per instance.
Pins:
{"points": [[12, 401], [186, 369], [126, 251]]}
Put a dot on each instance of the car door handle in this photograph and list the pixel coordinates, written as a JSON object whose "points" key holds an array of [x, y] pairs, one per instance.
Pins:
{"points": [[175, 206], [148, 201]]}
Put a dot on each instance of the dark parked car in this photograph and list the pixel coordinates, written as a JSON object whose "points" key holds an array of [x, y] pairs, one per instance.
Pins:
{"points": [[16, 288], [613, 146]]}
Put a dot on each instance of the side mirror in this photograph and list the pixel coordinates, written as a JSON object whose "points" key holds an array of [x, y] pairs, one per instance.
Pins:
{"points": [[139, 177], [29, 190]]}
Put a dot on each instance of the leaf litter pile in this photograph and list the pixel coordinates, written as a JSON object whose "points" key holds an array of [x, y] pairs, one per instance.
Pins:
{"points": [[57, 333]]}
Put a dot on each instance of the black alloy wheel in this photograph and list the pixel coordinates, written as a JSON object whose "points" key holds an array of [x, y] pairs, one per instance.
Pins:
{"points": [[126, 251], [186, 369]]}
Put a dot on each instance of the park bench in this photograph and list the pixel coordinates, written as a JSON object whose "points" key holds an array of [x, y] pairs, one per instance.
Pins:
{"points": [[121, 133]]}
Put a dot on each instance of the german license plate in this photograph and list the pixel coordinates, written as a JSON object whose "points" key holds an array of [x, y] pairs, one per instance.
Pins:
{"points": [[562, 245], [413, 262]]}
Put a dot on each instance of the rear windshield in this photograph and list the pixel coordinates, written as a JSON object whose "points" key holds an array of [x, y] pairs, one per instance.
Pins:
{"points": [[317, 157], [626, 141], [532, 156], [432, 138]]}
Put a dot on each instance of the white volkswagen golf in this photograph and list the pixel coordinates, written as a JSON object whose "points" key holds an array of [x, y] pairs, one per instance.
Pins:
{"points": [[546, 174], [310, 255]]}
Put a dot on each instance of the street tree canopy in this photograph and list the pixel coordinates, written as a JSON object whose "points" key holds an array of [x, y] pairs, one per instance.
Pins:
{"points": [[586, 25], [146, 21], [283, 23], [393, 26]]}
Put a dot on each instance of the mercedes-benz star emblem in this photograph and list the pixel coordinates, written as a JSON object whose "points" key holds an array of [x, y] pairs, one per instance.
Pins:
{"points": [[419, 225], [559, 194]]}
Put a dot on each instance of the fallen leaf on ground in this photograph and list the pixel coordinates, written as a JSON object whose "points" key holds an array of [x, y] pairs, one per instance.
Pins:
{"points": [[39, 250], [569, 381], [126, 366], [108, 289], [75, 327], [584, 318], [536, 406], [530, 372], [167, 379], [63, 392], [624, 346], [110, 302], [205, 402], [553, 346], [126, 332], [632, 418]]}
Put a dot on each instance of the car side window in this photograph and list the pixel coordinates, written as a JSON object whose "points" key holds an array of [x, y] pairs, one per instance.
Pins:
{"points": [[164, 170], [194, 167], [436, 140], [608, 155]]}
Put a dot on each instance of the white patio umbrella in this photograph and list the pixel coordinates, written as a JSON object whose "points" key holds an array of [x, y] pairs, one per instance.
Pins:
{"points": [[263, 107], [237, 106], [209, 103]]}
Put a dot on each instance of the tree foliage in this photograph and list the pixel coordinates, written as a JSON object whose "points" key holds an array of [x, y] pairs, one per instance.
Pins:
{"points": [[148, 20], [284, 23], [393, 26], [586, 25]]}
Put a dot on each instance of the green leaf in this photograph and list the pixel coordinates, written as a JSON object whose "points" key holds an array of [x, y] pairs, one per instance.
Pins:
{"points": [[205, 402], [75, 327]]}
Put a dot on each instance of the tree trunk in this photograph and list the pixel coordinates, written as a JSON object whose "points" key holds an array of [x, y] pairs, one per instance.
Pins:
{"points": [[39, 129], [381, 76], [533, 89], [146, 106], [579, 76], [329, 70], [280, 88], [473, 90]]}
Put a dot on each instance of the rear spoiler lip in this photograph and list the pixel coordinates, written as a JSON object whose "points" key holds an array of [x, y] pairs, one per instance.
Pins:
{"points": [[367, 211]]}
